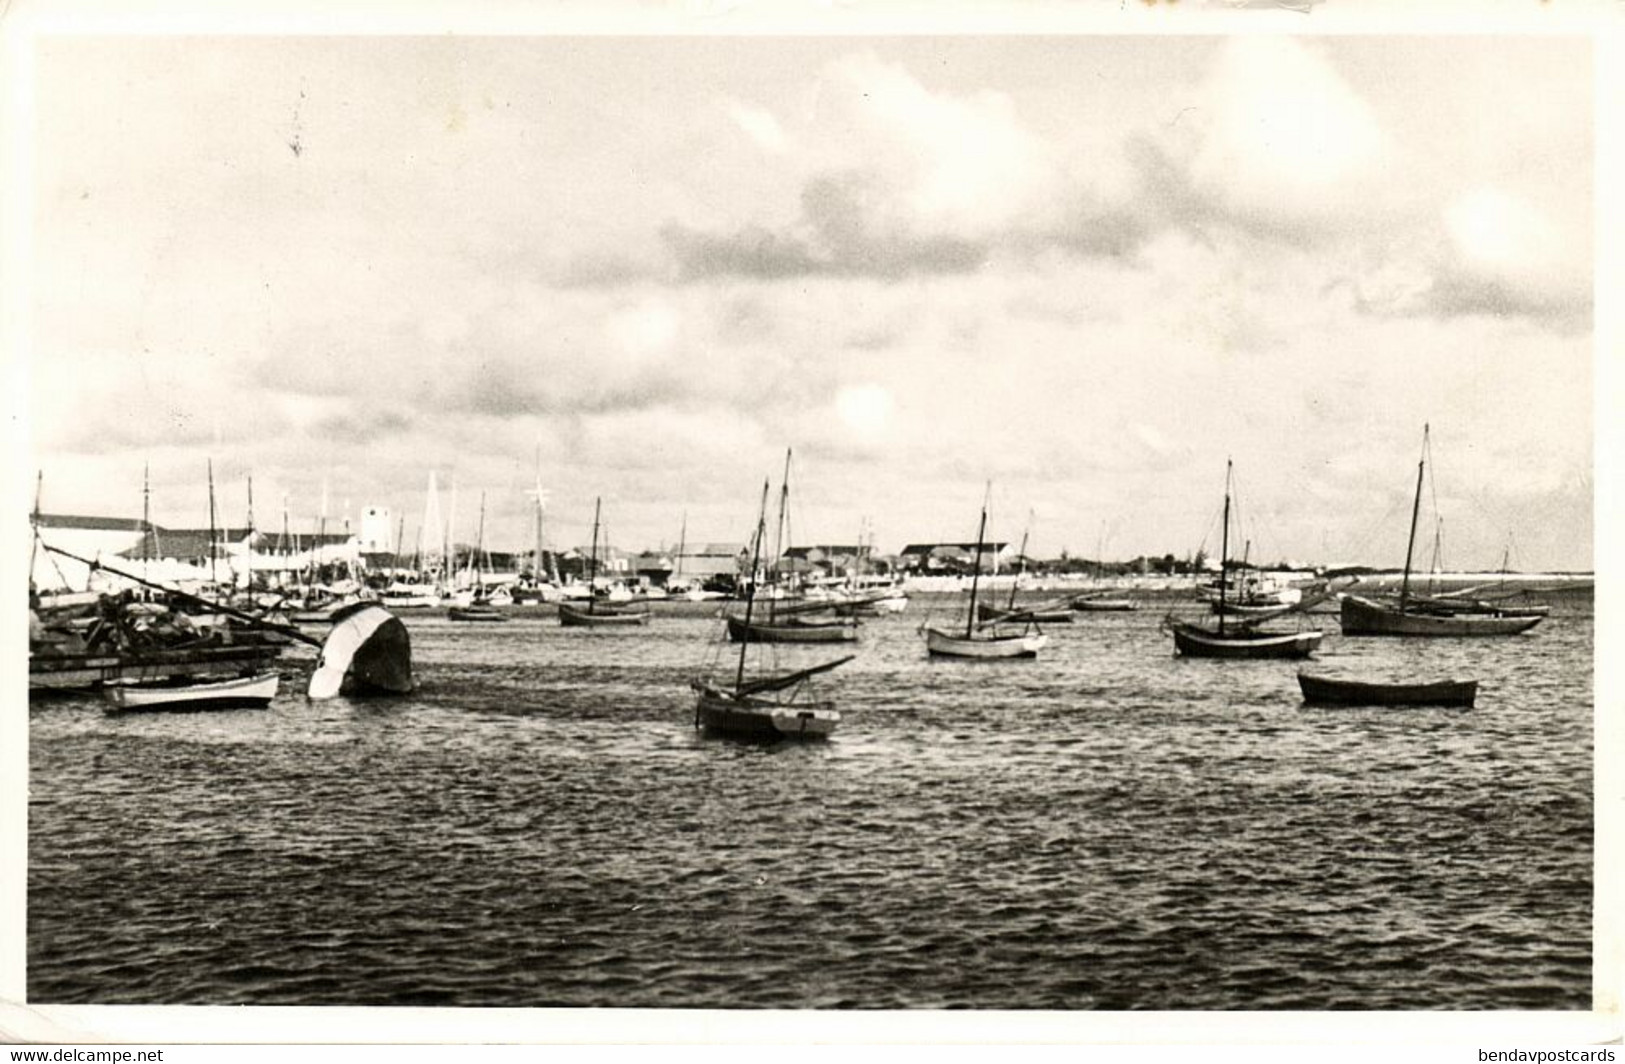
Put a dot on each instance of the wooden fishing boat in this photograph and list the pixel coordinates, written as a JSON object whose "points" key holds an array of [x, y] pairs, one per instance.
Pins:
{"points": [[792, 629], [985, 640], [1334, 691], [763, 708], [1195, 641], [1042, 614], [1364, 616], [482, 614], [243, 692], [1237, 639], [1092, 604], [1420, 616], [596, 614]]}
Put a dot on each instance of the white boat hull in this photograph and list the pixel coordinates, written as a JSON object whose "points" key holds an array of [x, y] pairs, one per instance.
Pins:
{"points": [[987, 647], [244, 692]]}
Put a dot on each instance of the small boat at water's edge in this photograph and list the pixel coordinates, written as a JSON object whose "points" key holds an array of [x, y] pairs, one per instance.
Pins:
{"points": [[1332, 691], [243, 692]]}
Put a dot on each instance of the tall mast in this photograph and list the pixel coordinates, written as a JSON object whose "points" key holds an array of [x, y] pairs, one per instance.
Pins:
{"points": [[212, 578], [1013, 583], [976, 569], [778, 539], [33, 546], [750, 589], [146, 517], [592, 564], [400, 540], [682, 543], [479, 548], [1224, 546], [1416, 509], [249, 553]]}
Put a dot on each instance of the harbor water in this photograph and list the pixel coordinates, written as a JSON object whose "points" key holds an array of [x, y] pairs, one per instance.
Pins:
{"points": [[1107, 827]]}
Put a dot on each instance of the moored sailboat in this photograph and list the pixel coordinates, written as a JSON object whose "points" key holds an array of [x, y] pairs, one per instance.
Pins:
{"points": [[595, 614], [1237, 639], [766, 707], [1423, 616], [985, 640]]}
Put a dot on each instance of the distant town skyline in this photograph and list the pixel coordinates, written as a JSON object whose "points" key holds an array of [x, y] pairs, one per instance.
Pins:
{"points": [[1086, 269]]}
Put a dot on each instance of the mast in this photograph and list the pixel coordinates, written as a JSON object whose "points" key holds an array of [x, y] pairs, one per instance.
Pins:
{"points": [[33, 546], [249, 553], [147, 544], [479, 550], [976, 570], [778, 539], [212, 578], [682, 544], [1017, 580], [750, 592], [592, 564], [1416, 509], [1224, 545]]}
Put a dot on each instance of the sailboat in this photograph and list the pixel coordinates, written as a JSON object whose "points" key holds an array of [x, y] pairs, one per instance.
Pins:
{"points": [[1100, 601], [763, 707], [984, 639], [796, 622], [1240, 639], [1425, 616], [595, 614], [1046, 613], [480, 607]]}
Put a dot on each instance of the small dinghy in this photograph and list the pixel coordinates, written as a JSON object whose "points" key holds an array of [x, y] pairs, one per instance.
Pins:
{"points": [[243, 692], [486, 614], [1332, 691]]}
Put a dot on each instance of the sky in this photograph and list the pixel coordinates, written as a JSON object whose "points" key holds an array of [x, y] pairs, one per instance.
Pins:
{"points": [[1088, 270]]}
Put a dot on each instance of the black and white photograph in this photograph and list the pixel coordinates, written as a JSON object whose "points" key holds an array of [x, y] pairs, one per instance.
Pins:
{"points": [[868, 518]]}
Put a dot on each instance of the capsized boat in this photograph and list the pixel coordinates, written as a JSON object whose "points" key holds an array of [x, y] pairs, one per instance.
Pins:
{"points": [[766, 707], [1335, 691], [1419, 616], [243, 692], [368, 650], [1237, 639], [985, 640]]}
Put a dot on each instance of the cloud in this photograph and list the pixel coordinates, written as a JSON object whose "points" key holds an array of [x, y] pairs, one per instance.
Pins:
{"points": [[1274, 142], [894, 180]]}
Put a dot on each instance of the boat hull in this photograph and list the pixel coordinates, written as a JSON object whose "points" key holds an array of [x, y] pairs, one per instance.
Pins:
{"points": [[609, 617], [52, 671], [815, 632], [369, 650], [1361, 616], [1087, 605], [483, 614], [250, 692], [985, 612], [763, 720], [985, 648], [1330, 691], [1193, 642]]}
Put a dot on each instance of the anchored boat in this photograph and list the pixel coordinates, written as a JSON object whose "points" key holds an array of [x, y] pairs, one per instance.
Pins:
{"points": [[244, 692], [1334, 691], [985, 640]]}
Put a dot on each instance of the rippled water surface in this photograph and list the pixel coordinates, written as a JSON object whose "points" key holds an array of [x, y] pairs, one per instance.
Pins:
{"points": [[1108, 827]]}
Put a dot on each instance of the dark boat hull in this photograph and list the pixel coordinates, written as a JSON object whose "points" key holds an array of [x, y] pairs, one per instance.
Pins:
{"points": [[1193, 642], [762, 720], [805, 632], [985, 612], [575, 617], [1329, 691], [483, 614], [1361, 616]]}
